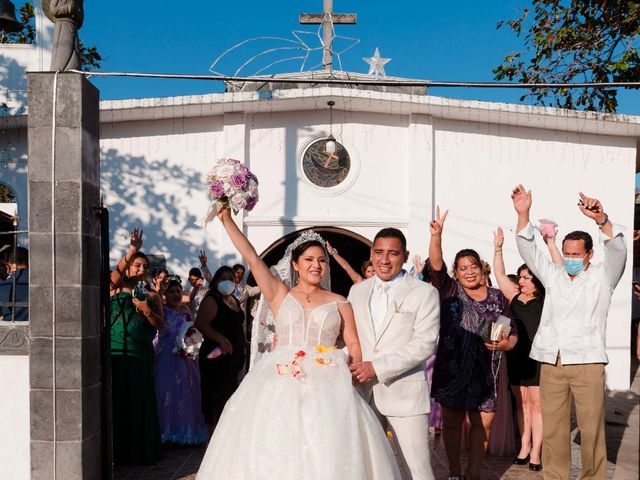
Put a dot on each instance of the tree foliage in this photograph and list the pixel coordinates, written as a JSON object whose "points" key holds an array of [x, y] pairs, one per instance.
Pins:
{"points": [[575, 41], [28, 32], [7, 195], [89, 56]]}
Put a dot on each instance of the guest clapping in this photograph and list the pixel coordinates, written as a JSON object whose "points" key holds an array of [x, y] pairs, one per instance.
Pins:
{"points": [[465, 377]]}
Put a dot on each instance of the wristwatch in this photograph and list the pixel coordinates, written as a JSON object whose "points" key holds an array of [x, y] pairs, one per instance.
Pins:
{"points": [[604, 222]]}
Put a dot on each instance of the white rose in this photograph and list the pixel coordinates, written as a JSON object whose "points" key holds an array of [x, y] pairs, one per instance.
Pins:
{"points": [[238, 201], [225, 170]]}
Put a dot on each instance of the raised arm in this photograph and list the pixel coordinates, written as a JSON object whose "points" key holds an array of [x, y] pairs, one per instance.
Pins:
{"points": [[435, 244], [556, 255], [204, 268], [508, 288], [353, 275], [135, 243], [615, 250], [418, 266], [536, 262], [271, 287], [188, 297]]}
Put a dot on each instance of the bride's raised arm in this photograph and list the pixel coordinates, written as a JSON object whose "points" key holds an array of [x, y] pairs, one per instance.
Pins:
{"points": [[271, 287]]}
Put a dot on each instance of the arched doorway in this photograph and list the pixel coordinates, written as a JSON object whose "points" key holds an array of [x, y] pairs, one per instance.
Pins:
{"points": [[354, 248]]}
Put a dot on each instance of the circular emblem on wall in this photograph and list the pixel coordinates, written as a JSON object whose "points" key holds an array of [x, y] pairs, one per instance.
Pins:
{"points": [[323, 167]]}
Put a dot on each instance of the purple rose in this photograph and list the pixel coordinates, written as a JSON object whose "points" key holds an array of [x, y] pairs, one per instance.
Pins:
{"points": [[239, 179], [251, 202], [216, 189]]}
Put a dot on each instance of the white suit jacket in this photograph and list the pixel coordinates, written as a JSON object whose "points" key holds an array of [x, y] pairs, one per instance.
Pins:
{"points": [[399, 352]]}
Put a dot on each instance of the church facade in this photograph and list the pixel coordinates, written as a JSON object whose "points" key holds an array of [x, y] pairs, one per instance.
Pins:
{"points": [[399, 155]]}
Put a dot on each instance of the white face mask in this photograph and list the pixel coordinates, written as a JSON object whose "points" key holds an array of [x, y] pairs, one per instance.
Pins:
{"points": [[226, 287]]}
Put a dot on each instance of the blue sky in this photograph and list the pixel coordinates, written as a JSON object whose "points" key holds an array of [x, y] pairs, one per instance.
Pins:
{"points": [[425, 39]]}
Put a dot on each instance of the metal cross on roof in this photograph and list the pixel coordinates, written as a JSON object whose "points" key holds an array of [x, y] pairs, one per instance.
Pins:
{"points": [[328, 19]]}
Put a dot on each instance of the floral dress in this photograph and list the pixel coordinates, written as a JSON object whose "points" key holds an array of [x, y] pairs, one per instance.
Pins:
{"points": [[466, 373], [177, 380]]}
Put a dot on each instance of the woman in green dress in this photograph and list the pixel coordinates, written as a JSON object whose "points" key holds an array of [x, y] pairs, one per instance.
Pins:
{"points": [[135, 316]]}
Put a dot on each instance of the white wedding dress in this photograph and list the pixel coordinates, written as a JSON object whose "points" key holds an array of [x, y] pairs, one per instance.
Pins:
{"points": [[296, 415]]}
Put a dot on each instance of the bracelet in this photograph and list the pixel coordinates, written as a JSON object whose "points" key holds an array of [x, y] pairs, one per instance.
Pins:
{"points": [[497, 250], [604, 222], [333, 252]]}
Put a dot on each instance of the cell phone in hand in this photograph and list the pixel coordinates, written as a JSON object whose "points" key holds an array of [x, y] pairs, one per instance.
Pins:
{"points": [[595, 208]]}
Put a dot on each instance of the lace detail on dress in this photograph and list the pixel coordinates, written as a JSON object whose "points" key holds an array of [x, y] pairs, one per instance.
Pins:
{"points": [[297, 326]]}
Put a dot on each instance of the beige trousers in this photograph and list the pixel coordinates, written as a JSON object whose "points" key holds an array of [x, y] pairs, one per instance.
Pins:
{"points": [[558, 385], [411, 437]]}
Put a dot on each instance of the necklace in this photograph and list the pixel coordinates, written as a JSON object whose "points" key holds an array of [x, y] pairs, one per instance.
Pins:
{"points": [[307, 295]]}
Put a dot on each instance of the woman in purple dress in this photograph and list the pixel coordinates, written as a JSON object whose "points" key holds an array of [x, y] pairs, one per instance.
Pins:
{"points": [[465, 376], [177, 377]]}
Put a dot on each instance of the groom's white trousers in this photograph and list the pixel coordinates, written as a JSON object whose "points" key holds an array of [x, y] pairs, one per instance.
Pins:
{"points": [[411, 435]]}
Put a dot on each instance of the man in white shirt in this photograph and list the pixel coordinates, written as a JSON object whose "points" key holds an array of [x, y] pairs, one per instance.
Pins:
{"points": [[397, 318], [570, 341]]}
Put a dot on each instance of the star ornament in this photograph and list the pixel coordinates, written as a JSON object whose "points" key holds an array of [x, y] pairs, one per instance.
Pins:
{"points": [[376, 64]]}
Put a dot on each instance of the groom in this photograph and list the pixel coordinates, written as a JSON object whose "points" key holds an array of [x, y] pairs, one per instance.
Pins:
{"points": [[397, 318]]}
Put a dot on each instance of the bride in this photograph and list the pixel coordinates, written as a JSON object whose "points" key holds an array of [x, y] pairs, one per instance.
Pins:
{"points": [[296, 415]]}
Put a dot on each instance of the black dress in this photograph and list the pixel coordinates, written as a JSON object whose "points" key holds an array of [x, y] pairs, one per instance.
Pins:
{"points": [[523, 370], [219, 376]]}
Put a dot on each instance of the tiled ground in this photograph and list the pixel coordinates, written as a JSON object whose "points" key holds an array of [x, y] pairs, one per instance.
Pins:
{"points": [[621, 431], [183, 463]]}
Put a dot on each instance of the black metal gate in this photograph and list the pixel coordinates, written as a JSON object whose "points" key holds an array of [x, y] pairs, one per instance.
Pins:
{"points": [[105, 347]]}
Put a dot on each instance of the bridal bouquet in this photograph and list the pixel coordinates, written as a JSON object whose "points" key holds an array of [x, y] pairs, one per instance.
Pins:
{"points": [[230, 184], [188, 341]]}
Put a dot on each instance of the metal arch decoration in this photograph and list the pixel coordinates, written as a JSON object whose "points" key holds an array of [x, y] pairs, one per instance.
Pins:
{"points": [[298, 44]]}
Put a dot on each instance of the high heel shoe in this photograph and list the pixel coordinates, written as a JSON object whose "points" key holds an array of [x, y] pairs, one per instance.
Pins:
{"points": [[536, 467], [522, 461]]}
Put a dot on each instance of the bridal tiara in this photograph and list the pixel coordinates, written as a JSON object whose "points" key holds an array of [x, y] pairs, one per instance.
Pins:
{"points": [[308, 236]]}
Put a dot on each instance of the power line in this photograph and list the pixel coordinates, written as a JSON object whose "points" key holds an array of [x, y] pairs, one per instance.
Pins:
{"points": [[352, 81]]}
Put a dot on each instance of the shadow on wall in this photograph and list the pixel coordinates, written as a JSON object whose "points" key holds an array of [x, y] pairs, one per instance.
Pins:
{"points": [[162, 198], [13, 85]]}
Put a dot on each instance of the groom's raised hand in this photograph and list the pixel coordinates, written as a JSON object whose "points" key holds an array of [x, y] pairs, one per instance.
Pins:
{"points": [[362, 371]]}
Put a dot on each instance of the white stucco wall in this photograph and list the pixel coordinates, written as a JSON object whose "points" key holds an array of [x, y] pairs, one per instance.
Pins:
{"points": [[14, 421], [152, 176], [478, 164], [408, 154], [405, 161], [16, 60]]}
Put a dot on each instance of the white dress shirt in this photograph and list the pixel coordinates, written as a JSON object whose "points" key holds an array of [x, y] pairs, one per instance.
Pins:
{"points": [[574, 315], [381, 296]]}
